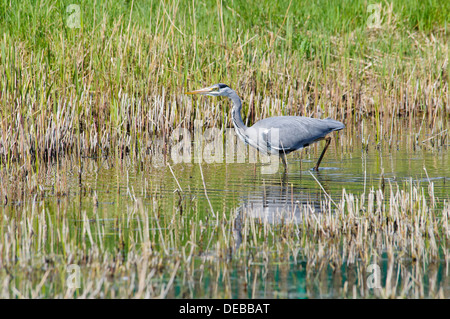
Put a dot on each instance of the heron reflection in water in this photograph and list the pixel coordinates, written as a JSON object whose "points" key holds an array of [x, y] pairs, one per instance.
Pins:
{"points": [[276, 203]]}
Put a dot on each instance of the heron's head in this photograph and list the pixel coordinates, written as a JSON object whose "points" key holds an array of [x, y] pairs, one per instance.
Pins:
{"points": [[219, 89]]}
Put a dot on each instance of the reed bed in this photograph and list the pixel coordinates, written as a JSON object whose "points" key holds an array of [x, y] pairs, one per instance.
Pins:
{"points": [[114, 84], [143, 251], [68, 174]]}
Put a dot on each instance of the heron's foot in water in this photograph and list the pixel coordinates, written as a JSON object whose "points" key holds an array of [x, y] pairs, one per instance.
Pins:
{"points": [[327, 143]]}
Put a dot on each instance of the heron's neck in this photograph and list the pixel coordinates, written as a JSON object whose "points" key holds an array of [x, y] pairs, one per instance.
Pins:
{"points": [[236, 113]]}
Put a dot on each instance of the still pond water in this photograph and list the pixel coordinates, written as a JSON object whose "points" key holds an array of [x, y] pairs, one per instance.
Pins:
{"points": [[240, 189]]}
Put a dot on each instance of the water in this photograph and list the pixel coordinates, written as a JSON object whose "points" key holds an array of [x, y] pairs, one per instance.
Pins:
{"points": [[263, 268]]}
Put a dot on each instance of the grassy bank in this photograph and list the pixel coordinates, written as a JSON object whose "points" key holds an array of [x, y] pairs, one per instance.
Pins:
{"points": [[109, 78]]}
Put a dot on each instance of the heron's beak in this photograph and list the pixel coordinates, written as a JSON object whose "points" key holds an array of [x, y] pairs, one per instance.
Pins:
{"points": [[201, 91]]}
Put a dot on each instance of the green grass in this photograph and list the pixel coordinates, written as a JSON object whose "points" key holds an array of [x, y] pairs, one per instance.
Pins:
{"points": [[106, 76]]}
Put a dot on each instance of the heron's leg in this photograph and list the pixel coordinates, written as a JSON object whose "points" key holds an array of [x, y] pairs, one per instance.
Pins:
{"points": [[283, 158], [284, 179], [301, 158], [328, 140]]}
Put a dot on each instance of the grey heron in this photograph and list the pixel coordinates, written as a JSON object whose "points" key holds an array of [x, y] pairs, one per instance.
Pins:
{"points": [[279, 135]]}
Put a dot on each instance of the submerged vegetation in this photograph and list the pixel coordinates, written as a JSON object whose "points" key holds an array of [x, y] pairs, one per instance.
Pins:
{"points": [[142, 250], [99, 85]]}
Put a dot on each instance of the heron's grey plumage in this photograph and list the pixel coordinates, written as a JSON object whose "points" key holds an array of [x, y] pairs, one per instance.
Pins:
{"points": [[277, 135], [294, 132]]}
